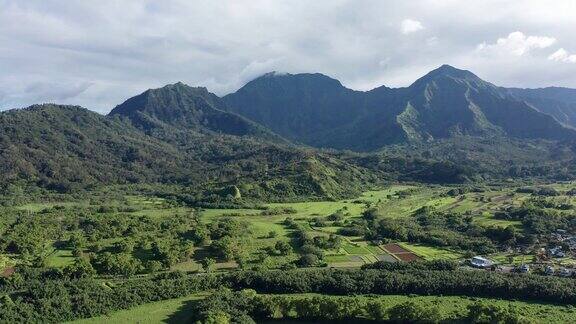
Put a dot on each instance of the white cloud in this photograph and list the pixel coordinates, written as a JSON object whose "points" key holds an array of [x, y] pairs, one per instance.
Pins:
{"points": [[432, 41], [408, 26], [562, 55], [518, 44], [98, 53]]}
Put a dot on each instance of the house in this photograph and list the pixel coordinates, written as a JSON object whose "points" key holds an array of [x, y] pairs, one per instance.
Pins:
{"points": [[564, 272], [557, 252], [481, 262], [549, 270], [524, 268]]}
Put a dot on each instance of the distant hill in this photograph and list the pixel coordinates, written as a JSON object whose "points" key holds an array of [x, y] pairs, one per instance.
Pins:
{"points": [[266, 139], [317, 110], [560, 103], [181, 107], [68, 148], [65, 146]]}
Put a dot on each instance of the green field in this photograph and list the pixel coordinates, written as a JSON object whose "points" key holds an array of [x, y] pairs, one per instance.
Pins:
{"points": [[177, 310], [431, 253], [167, 311], [59, 258], [398, 201]]}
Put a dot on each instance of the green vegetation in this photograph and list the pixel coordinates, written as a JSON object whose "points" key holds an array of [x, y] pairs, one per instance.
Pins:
{"points": [[152, 233], [430, 309], [178, 310], [176, 207], [431, 253], [448, 308], [75, 298], [117, 240]]}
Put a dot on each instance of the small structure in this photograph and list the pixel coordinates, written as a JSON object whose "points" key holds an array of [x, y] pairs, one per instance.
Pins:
{"points": [[564, 272], [524, 268], [549, 270], [481, 262], [557, 252]]}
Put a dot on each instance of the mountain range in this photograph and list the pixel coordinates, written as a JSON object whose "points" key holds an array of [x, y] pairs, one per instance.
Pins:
{"points": [[270, 137], [318, 111]]}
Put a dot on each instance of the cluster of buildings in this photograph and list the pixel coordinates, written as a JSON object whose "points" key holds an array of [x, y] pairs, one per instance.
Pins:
{"points": [[563, 272], [549, 269], [562, 245], [565, 239]]}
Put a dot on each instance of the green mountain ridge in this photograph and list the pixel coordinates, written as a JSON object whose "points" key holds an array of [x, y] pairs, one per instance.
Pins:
{"points": [[444, 103], [267, 138], [560, 103], [69, 148], [178, 107]]}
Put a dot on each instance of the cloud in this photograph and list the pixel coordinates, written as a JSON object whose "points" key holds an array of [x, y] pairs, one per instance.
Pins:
{"points": [[55, 92], [408, 26], [562, 55], [99, 53], [518, 44]]}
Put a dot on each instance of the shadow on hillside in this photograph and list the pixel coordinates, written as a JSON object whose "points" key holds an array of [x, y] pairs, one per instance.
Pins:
{"points": [[183, 314]]}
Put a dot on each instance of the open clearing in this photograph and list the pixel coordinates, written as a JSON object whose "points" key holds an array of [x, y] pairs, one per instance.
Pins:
{"points": [[178, 310], [395, 201], [166, 311]]}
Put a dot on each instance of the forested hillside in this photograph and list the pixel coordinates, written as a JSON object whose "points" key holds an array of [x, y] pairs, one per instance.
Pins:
{"points": [[445, 103], [557, 102], [447, 127], [67, 148]]}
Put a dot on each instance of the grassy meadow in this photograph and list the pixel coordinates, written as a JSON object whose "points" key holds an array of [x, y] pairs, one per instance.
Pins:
{"points": [[395, 201], [449, 307]]}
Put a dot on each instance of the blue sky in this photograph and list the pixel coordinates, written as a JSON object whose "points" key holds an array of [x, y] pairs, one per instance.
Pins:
{"points": [[98, 53]]}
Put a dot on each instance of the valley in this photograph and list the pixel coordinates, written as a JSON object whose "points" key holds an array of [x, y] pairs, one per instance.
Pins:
{"points": [[284, 162], [451, 200], [113, 237], [264, 225]]}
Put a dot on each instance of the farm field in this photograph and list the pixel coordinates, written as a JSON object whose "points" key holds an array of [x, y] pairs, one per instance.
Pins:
{"points": [[396, 201], [449, 307], [124, 238], [431, 253], [166, 311], [266, 222]]}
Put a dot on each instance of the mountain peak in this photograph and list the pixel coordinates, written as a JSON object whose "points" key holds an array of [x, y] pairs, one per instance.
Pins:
{"points": [[181, 107], [450, 71], [447, 72], [180, 86], [314, 80]]}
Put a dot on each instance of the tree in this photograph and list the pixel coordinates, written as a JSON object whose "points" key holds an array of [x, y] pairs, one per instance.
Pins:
{"points": [[225, 248], [81, 268], [208, 264], [491, 313], [283, 247], [217, 317], [76, 240], [308, 260], [117, 264], [124, 246], [377, 310], [153, 266], [411, 312]]}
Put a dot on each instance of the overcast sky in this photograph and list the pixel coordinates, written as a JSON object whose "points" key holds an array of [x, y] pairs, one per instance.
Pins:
{"points": [[97, 53]]}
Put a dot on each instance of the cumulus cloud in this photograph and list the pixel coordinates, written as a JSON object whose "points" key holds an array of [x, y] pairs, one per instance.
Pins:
{"points": [[99, 53], [408, 26], [518, 44], [562, 55]]}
